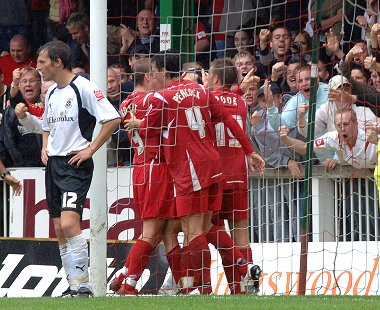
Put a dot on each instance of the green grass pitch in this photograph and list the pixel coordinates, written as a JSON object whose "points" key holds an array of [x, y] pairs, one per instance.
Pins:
{"points": [[195, 302]]}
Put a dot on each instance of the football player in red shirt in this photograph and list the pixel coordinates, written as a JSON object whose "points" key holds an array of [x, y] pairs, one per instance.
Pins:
{"points": [[186, 113], [222, 75], [152, 188]]}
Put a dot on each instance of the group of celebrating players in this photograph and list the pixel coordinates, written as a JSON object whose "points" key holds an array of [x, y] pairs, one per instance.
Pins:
{"points": [[190, 174]]}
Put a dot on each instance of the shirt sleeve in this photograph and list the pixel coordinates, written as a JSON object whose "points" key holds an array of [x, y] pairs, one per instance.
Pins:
{"points": [[329, 141], [287, 118], [265, 56], [32, 123], [200, 32], [321, 117], [97, 104]]}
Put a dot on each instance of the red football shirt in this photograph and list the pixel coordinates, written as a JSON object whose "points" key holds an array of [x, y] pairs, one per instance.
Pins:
{"points": [[231, 153], [146, 148], [187, 113]]}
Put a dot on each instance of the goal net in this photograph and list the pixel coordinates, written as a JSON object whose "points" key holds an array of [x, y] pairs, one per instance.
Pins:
{"points": [[313, 215]]}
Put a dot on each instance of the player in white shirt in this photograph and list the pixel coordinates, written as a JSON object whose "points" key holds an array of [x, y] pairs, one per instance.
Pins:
{"points": [[73, 106]]}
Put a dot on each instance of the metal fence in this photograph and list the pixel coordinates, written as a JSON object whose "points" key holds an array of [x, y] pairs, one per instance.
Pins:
{"points": [[344, 206]]}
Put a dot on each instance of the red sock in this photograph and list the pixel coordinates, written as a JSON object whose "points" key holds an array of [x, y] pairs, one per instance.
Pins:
{"points": [[200, 261], [247, 253], [138, 259], [230, 257], [174, 260], [186, 268], [127, 261]]}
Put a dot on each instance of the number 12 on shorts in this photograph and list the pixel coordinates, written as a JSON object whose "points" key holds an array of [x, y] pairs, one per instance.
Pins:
{"points": [[68, 200]]}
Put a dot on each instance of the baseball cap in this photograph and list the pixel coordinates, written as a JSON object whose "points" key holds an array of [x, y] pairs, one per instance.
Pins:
{"points": [[337, 81], [139, 49], [274, 88]]}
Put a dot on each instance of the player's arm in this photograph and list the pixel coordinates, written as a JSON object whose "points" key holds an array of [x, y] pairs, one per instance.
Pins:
{"points": [[44, 151], [105, 132], [131, 122]]}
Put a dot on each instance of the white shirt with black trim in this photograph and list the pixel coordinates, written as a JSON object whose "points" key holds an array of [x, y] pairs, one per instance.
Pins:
{"points": [[71, 114]]}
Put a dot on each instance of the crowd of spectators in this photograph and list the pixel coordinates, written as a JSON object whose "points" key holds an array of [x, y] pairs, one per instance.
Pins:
{"points": [[274, 42]]}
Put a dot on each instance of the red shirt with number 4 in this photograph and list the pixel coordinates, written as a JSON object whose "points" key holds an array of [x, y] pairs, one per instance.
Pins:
{"points": [[187, 113]]}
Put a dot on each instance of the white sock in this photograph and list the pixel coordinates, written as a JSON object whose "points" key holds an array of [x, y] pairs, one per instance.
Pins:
{"points": [[79, 256], [124, 270], [67, 263]]}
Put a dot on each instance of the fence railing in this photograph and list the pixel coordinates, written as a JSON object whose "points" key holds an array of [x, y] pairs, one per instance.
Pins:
{"points": [[344, 206]]}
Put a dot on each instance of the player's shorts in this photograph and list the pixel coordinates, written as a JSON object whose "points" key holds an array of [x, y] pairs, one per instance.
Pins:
{"points": [[67, 185], [153, 191], [234, 206], [202, 201]]}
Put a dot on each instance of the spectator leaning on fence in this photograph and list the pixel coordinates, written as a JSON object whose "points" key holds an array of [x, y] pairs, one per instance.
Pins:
{"points": [[349, 141]]}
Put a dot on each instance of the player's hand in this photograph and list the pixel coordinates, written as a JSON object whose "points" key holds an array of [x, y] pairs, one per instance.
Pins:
{"points": [[132, 122], [14, 183], [21, 110], [249, 80], [256, 163], [330, 163], [295, 169], [44, 156], [81, 156]]}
